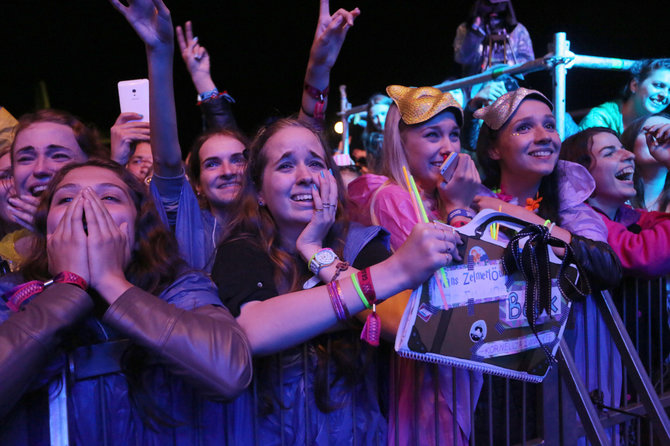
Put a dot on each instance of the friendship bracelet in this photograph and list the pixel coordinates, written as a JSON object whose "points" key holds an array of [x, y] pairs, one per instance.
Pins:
{"points": [[367, 287], [459, 213], [341, 266], [22, 294], [214, 94], [315, 93], [360, 292], [320, 97], [209, 94]]}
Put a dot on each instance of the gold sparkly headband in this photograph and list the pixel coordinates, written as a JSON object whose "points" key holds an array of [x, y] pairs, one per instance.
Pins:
{"points": [[497, 114], [418, 105]]}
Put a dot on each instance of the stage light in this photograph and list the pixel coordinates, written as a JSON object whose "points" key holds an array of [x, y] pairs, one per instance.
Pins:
{"points": [[338, 127]]}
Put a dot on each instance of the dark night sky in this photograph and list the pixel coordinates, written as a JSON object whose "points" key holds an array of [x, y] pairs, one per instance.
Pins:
{"points": [[259, 49]]}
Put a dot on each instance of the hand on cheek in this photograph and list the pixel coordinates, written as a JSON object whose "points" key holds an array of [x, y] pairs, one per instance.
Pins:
{"points": [[324, 194], [463, 185], [22, 210]]}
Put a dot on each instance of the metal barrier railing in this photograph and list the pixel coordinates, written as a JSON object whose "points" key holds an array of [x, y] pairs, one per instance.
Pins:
{"points": [[558, 62], [546, 413]]}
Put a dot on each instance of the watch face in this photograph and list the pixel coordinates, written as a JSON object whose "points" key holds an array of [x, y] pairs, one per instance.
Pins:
{"points": [[325, 257]]}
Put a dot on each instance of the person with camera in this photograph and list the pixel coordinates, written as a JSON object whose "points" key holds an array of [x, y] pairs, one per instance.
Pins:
{"points": [[491, 36]]}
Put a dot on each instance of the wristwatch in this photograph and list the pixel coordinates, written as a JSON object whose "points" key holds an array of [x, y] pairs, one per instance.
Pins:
{"points": [[321, 259]]}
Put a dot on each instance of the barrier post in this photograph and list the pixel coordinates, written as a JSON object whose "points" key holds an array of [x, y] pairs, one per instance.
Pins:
{"points": [[558, 74]]}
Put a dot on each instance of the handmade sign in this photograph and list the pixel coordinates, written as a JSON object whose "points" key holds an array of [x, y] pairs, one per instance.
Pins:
{"points": [[475, 316]]}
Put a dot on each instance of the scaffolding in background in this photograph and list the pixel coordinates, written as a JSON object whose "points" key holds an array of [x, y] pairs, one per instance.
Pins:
{"points": [[558, 62]]}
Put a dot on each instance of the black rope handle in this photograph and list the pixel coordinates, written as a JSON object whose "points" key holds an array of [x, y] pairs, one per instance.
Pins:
{"points": [[534, 264]]}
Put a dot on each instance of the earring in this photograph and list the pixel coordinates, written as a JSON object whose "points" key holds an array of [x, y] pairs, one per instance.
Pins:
{"points": [[261, 202]]}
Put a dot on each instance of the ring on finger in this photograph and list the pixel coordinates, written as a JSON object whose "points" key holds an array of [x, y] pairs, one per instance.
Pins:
{"points": [[318, 210]]}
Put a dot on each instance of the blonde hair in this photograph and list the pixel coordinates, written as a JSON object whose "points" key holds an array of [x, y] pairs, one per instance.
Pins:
{"points": [[393, 152]]}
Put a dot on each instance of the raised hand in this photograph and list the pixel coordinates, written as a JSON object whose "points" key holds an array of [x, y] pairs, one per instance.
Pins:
{"points": [[328, 39], [430, 246], [67, 248], [331, 31], [125, 131], [150, 19], [464, 184], [195, 57], [658, 142], [487, 95], [324, 196], [108, 246]]}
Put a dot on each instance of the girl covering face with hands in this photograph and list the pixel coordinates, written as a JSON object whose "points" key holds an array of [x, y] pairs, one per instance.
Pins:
{"points": [[117, 283]]}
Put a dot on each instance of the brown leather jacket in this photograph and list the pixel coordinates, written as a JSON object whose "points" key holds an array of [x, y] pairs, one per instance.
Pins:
{"points": [[204, 345]]}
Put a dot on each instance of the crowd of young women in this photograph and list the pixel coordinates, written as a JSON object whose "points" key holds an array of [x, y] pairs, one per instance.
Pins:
{"points": [[237, 299]]}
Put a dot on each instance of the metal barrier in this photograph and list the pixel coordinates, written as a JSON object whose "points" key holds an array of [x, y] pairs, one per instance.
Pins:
{"points": [[558, 62], [564, 408], [516, 413]]}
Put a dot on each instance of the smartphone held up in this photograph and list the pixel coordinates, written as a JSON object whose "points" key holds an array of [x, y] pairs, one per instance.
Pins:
{"points": [[134, 97], [449, 166]]}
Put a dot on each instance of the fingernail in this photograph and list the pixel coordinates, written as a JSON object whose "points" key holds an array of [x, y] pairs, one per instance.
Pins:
{"points": [[314, 186], [195, 39], [322, 175], [331, 171]]}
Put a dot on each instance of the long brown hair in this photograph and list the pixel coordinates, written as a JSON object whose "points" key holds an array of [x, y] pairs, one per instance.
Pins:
{"points": [[255, 223], [249, 220], [155, 261]]}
